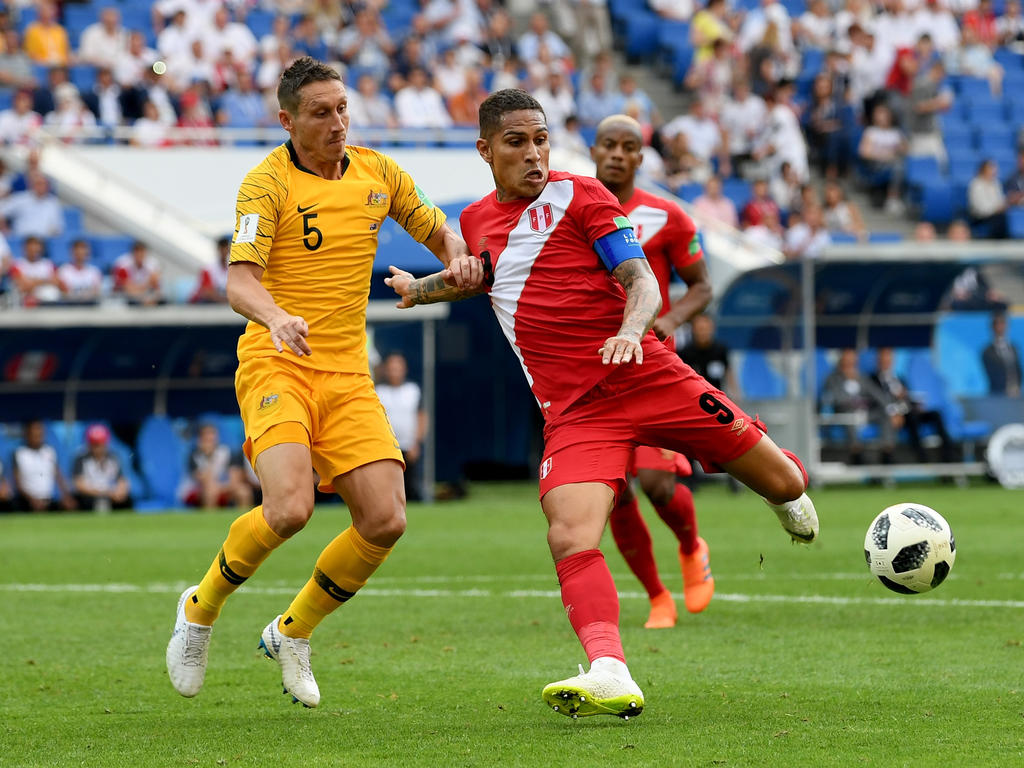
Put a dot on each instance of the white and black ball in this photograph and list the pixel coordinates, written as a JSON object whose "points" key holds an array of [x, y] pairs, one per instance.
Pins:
{"points": [[910, 548]]}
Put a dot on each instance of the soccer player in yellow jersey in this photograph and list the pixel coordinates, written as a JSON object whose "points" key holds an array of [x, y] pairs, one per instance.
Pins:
{"points": [[307, 223]]}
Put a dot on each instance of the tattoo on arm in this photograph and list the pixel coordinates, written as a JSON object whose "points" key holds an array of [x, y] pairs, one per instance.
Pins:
{"points": [[433, 289], [643, 298]]}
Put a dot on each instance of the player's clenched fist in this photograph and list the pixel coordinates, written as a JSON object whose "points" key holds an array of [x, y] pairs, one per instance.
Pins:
{"points": [[621, 349], [466, 272], [291, 330]]}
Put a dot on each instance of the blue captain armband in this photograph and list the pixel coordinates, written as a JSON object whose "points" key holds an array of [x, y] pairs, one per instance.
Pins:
{"points": [[619, 246]]}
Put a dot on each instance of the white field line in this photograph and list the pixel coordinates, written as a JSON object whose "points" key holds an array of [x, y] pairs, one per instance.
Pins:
{"points": [[550, 594]]}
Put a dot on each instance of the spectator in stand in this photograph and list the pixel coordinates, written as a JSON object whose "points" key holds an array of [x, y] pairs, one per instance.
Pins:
{"points": [[80, 282], [227, 35], [709, 24], [975, 59], [213, 279], [883, 148], [134, 60], [38, 482], [826, 132], [19, 123], [785, 189], [308, 41], [936, 21], [174, 42], [367, 44], [46, 41], [419, 105], [539, 34], [924, 232], [986, 202], [781, 139], [894, 28], [639, 105], [712, 204], [36, 211], [34, 275], [149, 130], [464, 107], [280, 34], [703, 138], [1010, 26], [411, 53], [243, 106], [768, 62], [1002, 360], [757, 26], [869, 67], [741, 119], [673, 10], [769, 233], [137, 276], [841, 215], [15, 65], [816, 27], [216, 477], [914, 413], [711, 77], [71, 119], [196, 118], [807, 236], [556, 97], [368, 106], [760, 205], [1014, 186], [98, 479], [449, 75], [104, 99], [849, 392], [982, 22], [708, 356], [268, 74], [498, 44], [403, 402], [958, 231], [598, 99], [103, 41], [929, 97], [569, 137]]}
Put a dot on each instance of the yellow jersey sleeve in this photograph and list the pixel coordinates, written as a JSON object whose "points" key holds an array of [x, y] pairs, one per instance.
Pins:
{"points": [[410, 206], [261, 198]]}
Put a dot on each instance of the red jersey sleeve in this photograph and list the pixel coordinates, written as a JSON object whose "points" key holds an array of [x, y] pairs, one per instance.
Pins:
{"points": [[598, 212], [685, 244]]}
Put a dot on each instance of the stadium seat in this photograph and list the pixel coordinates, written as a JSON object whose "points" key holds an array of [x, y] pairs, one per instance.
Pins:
{"points": [[843, 238], [936, 204], [260, 22], [981, 113], [1009, 60], [1015, 223], [957, 132], [758, 379], [922, 171], [83, 76], [681, 65], [993, 135], [162, 454], [972, 89], [737, 190], [689, 192], [106, 249], [78, 16], [963, 168], [72, 219], [6, 98], [642, 36], [672, 36], [885, 237]]}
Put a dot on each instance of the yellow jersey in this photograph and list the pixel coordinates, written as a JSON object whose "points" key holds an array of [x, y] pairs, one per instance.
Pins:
{"points": [[316, 240]]}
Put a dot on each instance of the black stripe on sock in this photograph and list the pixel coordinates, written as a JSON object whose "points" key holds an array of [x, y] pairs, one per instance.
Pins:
{"points": [[229, 576], [328, 586]]}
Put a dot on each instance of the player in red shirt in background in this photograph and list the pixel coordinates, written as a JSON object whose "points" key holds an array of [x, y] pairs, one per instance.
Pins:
{"points": [[669, 240], [576, 299]]}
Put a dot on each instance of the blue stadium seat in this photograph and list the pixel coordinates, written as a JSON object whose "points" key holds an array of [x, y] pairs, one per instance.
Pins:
{"points": [[963, 169], [982, 112], [106, 248], [672, 36], [78, 16], [758, 379], [681, 65], [689, 192], [1010, 60], [58, 249], [972, 89], [936, 204], [162, 455], [957, 132], [963, 153], [1005, 158], [1015, 223], [261, 22], [885, 237], [6, 98], [737, 190], [642, 35], [843, 238], [993, 135], [26, 16], [72, 219], [922, 170], [83, 76]]}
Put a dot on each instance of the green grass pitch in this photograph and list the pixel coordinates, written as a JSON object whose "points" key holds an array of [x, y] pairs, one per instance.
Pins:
{"points": [[800, 660]]}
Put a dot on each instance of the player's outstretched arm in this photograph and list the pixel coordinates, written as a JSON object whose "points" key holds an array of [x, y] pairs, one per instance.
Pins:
{"points": [[643, 302], [452, 251], [251, 300], [431, 289]]}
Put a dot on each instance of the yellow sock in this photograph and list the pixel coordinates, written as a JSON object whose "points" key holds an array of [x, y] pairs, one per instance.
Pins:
{"points": [[250, 539], [342, 568]]}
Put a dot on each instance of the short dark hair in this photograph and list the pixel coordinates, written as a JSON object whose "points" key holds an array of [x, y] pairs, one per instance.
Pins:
{"points": [[498, 103], [302, 72]]}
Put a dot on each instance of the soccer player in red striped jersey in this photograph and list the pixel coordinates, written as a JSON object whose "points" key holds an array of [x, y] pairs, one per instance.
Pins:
{"points": [[669, 241], [576, 299]]}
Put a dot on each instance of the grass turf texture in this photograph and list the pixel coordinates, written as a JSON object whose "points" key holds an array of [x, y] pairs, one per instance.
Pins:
{"points": [[441, 661]]}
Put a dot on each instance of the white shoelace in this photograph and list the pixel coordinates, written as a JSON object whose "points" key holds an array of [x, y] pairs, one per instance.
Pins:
{"points": [[195, 646]]}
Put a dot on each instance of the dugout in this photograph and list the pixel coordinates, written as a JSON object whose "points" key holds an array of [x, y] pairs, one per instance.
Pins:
{"points": [[786, 319]]}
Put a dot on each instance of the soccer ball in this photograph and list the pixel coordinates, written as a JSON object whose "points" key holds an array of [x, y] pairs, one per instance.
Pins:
{"points": [[910, 548]]}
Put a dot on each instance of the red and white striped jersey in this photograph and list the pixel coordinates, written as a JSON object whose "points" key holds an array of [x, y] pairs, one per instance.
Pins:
{"points": [[553, 297], [667, 235]]}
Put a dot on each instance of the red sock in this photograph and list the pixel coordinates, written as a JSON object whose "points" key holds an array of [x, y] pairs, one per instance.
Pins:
{"points": [[633, 539], [591, 603], [681, 516]]}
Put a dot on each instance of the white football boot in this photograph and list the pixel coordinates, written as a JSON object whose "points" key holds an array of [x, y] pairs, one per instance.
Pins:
{"points": [[187, 650], [798, 518], [607, 689], [292, 653]]}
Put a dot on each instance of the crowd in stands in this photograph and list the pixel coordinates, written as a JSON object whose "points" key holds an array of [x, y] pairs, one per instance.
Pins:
{"points": [[910, 99]]}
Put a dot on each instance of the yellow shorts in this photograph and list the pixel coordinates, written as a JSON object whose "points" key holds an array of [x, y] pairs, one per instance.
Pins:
{"points": [[337, 415]]}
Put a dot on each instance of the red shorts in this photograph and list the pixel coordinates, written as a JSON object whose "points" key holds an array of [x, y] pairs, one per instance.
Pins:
{"points": [[662, 402], [660, 459]]}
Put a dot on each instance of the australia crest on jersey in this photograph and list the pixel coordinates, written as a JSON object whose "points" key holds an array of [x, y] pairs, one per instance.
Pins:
{"points": [[541, 217]]}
